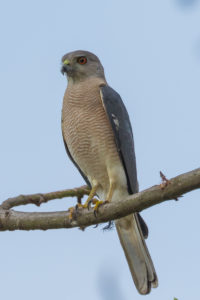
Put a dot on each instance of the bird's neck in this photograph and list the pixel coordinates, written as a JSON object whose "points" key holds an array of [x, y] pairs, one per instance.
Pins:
{"points": [[90, 81]]}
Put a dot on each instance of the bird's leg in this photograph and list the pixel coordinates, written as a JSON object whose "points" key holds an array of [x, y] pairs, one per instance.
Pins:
{"points": [[108, 198], [111, 191], [91, 195]]}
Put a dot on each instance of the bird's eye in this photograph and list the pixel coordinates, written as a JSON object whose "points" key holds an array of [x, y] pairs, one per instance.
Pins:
{"points": [[82, 60]]}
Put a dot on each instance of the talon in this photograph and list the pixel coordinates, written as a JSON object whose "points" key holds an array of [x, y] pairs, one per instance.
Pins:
{"points": [[97, 204], [108, 226], [89, 204], [95, 213]]}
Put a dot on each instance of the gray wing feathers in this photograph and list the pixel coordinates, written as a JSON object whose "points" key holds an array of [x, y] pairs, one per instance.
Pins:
{"points": [[119, 120]]}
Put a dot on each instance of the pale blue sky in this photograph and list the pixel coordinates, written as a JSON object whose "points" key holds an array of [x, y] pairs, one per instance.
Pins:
{"points": [[151, 54]]}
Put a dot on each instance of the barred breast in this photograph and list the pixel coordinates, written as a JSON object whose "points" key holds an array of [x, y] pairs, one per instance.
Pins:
{"points": [[88, 133]]}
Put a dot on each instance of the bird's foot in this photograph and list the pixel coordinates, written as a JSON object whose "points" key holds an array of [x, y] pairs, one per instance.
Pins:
{"points": [[97, 203], [73, 211], [87, 205], [89, 200]]}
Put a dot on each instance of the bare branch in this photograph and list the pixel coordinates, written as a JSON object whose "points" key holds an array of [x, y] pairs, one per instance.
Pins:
{"points": [[38, 199], [13, 220]]}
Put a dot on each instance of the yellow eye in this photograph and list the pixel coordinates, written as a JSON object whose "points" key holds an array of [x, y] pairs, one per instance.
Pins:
{"points": [[82, 60]]}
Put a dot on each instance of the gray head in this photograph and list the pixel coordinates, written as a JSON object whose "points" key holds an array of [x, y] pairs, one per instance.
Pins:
{"points": [[79, 65]]}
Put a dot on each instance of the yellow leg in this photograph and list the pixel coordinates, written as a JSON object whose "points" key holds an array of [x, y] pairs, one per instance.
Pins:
{"points": [[108, 198], [110, 192], [91, 196]]}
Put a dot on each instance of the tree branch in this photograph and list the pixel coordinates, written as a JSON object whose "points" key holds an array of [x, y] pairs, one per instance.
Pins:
{"points": [[13, 220], [38, 199]]}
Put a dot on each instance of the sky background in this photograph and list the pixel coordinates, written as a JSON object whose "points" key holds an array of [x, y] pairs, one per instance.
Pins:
{"points": [[151, 54]]}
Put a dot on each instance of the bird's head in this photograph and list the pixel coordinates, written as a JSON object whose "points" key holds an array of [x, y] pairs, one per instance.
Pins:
{"points": [[79, 65]]}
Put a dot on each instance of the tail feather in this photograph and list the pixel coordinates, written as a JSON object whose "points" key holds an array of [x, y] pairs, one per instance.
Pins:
{"points": [[137, 254]]}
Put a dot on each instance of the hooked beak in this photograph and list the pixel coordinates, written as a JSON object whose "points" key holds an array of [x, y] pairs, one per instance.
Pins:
{"points": [[66, 68]]}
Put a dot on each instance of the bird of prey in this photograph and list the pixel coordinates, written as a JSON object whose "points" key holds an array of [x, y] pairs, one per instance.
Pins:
{"points": [[98, 139]]}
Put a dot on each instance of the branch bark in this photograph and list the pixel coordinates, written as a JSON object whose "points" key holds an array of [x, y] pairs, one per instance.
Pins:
{"points": [[38, 199], [16, 220]]}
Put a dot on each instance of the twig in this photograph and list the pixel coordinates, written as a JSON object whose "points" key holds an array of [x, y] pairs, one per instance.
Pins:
{"points": [[38, 199]]}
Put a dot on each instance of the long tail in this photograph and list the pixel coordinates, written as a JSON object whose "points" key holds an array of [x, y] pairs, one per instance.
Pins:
{"points": [[137, 254]]}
